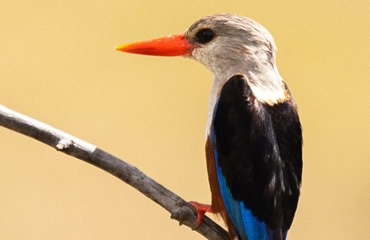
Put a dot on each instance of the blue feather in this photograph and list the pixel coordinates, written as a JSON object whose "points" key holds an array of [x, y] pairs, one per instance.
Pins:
{"points": [[245, 223]]}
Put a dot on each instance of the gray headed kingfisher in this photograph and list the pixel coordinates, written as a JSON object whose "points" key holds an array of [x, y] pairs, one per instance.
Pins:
{"points": [[253, 133]]}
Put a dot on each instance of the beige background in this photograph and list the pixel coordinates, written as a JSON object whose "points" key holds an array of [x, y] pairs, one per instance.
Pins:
{"points": [[58, 65]]}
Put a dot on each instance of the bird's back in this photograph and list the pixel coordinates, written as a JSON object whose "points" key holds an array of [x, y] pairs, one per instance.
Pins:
{"points": [[257, 151]]}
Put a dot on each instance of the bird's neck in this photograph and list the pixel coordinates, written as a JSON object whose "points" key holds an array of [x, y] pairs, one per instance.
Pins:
{"points": [[265, 83]]}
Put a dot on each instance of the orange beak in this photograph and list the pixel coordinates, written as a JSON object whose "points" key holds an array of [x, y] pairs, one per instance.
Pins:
{"points": [[174, 45]]}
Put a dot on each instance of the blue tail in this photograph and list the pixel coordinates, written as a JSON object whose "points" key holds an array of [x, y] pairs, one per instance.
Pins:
{"points": [[247, 226]]}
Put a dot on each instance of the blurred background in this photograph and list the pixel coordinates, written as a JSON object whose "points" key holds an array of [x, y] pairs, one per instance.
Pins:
{"points": [[58, 65]]}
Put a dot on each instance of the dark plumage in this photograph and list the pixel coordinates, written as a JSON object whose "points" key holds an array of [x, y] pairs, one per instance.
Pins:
{"points": [[259, 152]]}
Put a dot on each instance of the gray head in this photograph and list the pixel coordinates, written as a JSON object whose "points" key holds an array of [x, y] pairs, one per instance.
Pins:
{"points": [[223, 41], [228, 44]]}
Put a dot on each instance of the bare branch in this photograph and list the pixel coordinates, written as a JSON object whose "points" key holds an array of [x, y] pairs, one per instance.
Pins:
{"points": [[179, 209]]}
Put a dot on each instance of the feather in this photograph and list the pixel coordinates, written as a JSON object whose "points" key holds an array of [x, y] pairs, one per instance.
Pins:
{"points": [[259, 182]]}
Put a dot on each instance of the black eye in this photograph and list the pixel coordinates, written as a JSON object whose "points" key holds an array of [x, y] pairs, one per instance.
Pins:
{"points": [[205, 35]]}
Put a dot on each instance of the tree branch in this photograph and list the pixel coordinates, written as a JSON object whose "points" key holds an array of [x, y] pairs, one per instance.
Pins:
{"points": [[179, 209]]}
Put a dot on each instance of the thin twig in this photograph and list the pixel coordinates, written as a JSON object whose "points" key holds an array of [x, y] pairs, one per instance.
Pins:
{"points": [[179, 209]]}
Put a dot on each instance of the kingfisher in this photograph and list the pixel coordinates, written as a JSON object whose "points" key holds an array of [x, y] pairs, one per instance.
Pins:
{"points": [[253, 132]]}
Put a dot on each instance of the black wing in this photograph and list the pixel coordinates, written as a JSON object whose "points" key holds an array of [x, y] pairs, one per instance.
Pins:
{"points": [[259, 152]]}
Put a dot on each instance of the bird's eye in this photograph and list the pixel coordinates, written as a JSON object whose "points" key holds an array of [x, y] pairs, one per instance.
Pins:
{"points": [[205, 36]]}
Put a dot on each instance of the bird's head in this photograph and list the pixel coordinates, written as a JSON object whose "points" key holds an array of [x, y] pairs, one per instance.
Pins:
{"points": [[226, 44], [220, 41]]}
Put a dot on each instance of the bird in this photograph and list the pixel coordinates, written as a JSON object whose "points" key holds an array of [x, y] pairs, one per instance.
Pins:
{"points": [[253, 131]]}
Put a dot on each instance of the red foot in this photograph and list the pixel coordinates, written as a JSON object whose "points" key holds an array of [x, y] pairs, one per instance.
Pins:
{"points": [[201, 209]]}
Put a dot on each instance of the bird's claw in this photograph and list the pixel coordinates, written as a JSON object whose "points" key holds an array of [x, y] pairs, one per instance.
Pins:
{"points": [[201, 210]]}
